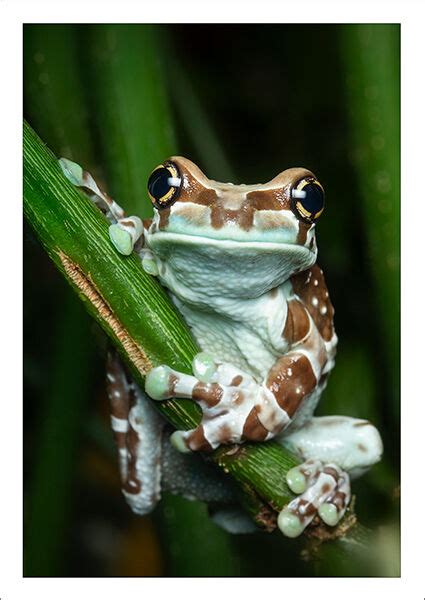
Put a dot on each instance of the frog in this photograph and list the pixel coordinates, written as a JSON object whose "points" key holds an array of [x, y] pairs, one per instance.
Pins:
{"points": [[239, 262]]}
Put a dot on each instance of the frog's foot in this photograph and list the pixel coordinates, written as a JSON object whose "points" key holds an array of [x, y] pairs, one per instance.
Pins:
{"points": [[124, 231], [231, 401], [323, 489]]}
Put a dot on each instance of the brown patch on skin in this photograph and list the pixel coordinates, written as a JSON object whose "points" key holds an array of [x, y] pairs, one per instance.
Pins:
{"points": [[332, 472], [253, 429], [147, 223], [273, 292], [361, 424], [164, 217], [362, 447], [326, 488], [120, 405], [339, 499], [268, 200], [315, 298], [243, 217], [209, 393], [224, 434], [236, 380], [127, 223], [172, 381], [290, 389], [83, 282], [308, 509], [303, 229], [207, 197], [197, 441], [297, 323], [238, 398]]}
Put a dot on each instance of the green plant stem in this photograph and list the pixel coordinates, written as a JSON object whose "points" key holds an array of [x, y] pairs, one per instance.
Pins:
{"points": [[136, 313], [130, 107]]}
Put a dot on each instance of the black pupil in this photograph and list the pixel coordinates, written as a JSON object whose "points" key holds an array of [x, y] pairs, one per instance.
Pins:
{"points": [[314, 198], [158, 185]]}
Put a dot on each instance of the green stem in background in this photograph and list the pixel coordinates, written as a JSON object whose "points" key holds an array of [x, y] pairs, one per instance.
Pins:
{"points": [[196, 125], [130, 107], [136, 313], [51, 489], [371, 55], [54, 98]]}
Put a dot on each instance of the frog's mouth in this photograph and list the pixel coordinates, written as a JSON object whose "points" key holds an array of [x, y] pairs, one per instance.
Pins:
{"points": [[232, 267], [168, 238]]}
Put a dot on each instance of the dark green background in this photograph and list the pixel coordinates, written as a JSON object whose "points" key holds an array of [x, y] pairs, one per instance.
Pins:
{"points": [[244, 102]]}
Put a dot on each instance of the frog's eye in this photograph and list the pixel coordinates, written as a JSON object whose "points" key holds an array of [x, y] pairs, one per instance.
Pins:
{"points": [[308, 199], [164, 185]]}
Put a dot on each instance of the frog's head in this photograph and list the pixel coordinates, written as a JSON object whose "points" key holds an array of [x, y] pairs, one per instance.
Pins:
{"points": [[250, 236]]}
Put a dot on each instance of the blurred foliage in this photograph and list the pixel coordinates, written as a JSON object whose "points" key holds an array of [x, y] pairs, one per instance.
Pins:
{"points": [[244, 99]]}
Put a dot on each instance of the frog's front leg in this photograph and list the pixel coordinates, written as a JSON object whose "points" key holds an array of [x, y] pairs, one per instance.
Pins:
{"points": [[148, 463], [125, 232], [334, 449], [235, 406]]}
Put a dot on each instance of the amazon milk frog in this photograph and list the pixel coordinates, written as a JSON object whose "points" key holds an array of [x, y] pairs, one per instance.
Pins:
{"points": [[239, 262]]}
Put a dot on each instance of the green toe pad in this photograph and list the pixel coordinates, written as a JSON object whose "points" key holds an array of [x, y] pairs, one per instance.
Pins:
{"points": [[289, 524], [72, 171], [203, 366], [328, 513], [178, 442], [121, 239], [296, 480], [157, 383]]}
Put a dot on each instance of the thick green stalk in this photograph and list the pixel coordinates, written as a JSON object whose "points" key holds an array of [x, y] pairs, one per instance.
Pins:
{"points": [[371, 55], [136, 313], [129, 107]]}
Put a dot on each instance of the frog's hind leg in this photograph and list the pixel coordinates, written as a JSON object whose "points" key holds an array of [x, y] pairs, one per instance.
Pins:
{"points": [[138, 432], [125, 232], [334, 449]]}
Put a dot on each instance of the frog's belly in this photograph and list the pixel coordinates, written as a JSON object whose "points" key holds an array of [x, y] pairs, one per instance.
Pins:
{"points": [[231, 342]]}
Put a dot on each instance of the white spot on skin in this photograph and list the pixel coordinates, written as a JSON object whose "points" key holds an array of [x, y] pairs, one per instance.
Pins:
{"points": [[315, 282], [314, 301], [323, 310], [290, 372]]}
